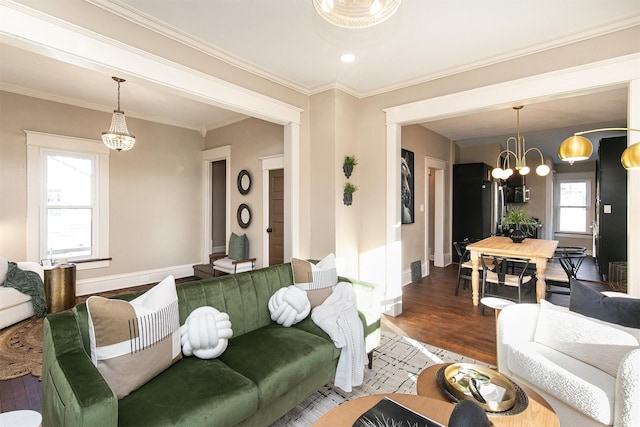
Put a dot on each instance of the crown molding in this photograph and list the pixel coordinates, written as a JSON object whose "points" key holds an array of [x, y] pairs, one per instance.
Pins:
{"points": [[130, 14], [75, 102]]}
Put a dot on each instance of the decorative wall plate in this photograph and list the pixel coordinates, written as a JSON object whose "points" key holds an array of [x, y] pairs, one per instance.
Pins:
{"points": [[244, 215], [244, 181]]}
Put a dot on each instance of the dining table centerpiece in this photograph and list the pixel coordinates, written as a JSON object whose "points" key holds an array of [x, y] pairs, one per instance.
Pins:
{"points": [[518, 224]]}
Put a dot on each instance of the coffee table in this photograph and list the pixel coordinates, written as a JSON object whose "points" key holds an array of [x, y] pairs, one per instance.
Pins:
{"points": [[347, 413], [538, 413]]}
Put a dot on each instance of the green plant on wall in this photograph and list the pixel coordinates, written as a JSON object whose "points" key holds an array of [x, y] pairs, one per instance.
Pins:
{"points": [[347, 197], [349, 163], [349, 188]]}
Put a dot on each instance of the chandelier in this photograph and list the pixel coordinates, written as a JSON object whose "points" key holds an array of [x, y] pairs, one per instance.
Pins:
{"points": [[356, 13], [577, 148], [118, 136], [503, 170]]}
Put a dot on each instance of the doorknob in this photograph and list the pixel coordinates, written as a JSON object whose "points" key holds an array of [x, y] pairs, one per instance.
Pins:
{"points": [[269, 230]]}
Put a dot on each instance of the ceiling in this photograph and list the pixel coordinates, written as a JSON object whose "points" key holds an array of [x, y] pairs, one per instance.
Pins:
{"points": [[285, 41]]}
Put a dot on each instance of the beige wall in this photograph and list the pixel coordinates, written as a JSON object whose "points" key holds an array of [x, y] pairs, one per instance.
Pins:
{"points": [[423, 142], [487, 154], [335, 226], [249, 139], [155, 206]]}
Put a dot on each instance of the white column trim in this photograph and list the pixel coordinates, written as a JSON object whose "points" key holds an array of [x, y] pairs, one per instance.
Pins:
{"points": [[633, 189], [392, 304], [439, 258]]}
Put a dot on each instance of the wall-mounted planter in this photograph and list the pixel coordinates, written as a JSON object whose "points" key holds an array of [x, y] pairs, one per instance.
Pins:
{"points": [[347, 166], [347, 196]]}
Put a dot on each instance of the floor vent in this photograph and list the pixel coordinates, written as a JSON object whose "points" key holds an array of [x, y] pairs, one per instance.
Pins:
{"points": [[416, 271]]}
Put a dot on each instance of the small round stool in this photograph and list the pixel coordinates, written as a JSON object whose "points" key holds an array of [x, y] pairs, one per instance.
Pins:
{"points": [[22, 418]]}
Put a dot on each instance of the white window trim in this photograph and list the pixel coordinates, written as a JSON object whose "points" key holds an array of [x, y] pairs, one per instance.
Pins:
{"points": [[37, 142], [573, 177]]}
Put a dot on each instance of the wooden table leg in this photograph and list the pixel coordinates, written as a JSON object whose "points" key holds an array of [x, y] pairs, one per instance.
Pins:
{"points": [[541, 284], [475, 277]]}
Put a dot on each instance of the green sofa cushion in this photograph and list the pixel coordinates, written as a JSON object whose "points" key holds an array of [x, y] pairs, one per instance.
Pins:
{"points": [[186, 395], [278, 358]]}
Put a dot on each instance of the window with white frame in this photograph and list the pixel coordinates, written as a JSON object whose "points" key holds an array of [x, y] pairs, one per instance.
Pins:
{"points": [[574, 206], [67, 199]]}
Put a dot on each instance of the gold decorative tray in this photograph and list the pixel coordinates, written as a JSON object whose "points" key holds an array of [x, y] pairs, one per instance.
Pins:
{"points": [[488, 388]]}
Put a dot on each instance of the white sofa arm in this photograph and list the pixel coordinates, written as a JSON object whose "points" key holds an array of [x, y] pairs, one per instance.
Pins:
{"points": [[627, 406], [516, 323]]}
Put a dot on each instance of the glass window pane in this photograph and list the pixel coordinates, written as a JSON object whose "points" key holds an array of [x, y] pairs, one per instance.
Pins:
{"points": [[573, 220], [69, 233], [573, 194], [69, 180]]}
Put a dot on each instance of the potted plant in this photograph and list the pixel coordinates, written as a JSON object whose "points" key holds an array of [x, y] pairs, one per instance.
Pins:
{"points": [[349, 163], [517, 224], [347, 197]]}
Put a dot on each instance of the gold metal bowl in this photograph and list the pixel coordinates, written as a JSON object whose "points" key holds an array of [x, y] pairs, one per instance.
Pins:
{"points": [[471, 382]]}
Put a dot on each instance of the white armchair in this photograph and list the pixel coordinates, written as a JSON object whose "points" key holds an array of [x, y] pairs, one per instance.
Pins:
{"points": [[14, 305], [587, 369]]}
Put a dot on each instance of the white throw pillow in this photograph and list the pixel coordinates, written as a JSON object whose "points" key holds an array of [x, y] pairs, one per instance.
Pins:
{"points": [[317, 280], [289, 306], [594, 342], [205, 333], [132, 342]]}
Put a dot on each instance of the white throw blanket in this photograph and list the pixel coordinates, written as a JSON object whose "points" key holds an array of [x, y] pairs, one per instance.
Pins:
{"points": [[338, 317]]}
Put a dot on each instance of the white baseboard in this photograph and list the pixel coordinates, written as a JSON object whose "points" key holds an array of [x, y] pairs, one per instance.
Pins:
{"points": [[127, 280]]}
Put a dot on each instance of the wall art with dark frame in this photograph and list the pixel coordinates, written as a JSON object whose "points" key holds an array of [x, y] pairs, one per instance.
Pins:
{"points": [[407, 186]]}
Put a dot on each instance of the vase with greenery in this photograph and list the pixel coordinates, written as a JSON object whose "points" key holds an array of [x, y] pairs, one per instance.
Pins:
{"points": [[518, 224], [347, 197], [349, 163]]}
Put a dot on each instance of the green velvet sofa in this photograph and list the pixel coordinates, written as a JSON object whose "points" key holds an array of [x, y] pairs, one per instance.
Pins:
{"points": [[265, 372]]}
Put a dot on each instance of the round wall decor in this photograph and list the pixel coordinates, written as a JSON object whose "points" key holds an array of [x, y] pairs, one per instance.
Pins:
{"points": [[244, 181], [244, 215]]}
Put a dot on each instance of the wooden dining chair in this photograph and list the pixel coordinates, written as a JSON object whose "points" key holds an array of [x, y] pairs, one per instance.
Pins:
{"points": [[464, 264], [497, 282], [566, 263]]}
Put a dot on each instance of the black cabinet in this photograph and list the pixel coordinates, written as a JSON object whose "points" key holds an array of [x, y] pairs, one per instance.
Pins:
{"points": [[471, 202], [611, 204]]}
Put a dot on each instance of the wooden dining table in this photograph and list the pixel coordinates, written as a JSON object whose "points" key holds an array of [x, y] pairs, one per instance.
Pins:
{"points": [[537, 251]]}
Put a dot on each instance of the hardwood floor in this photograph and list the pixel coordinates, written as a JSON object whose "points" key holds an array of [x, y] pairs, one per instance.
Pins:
{"points": [[430, 313]]}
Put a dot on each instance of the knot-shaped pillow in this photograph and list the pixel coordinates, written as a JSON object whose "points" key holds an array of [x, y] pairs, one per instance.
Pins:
{"points": [[205, 333], [289, 305]]}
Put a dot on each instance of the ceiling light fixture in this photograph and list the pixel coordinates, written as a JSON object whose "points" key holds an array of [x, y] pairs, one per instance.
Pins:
{"points": [[356, 13], [347, 58], [519, 156], [118, 136], [577, 148]]}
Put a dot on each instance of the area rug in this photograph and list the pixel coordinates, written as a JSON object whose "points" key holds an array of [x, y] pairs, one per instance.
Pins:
{"points": [[21, 349], [397, 362]]}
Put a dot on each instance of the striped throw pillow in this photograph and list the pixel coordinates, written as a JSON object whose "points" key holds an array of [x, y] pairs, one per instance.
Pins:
{"points": [[132, 342], [317, 279]]}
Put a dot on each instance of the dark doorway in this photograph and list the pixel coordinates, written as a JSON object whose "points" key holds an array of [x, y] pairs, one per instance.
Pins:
{"points": [[276, 216]]}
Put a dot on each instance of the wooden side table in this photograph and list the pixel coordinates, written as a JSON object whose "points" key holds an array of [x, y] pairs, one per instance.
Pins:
{"points": [[60, 287], [538, 413]]}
